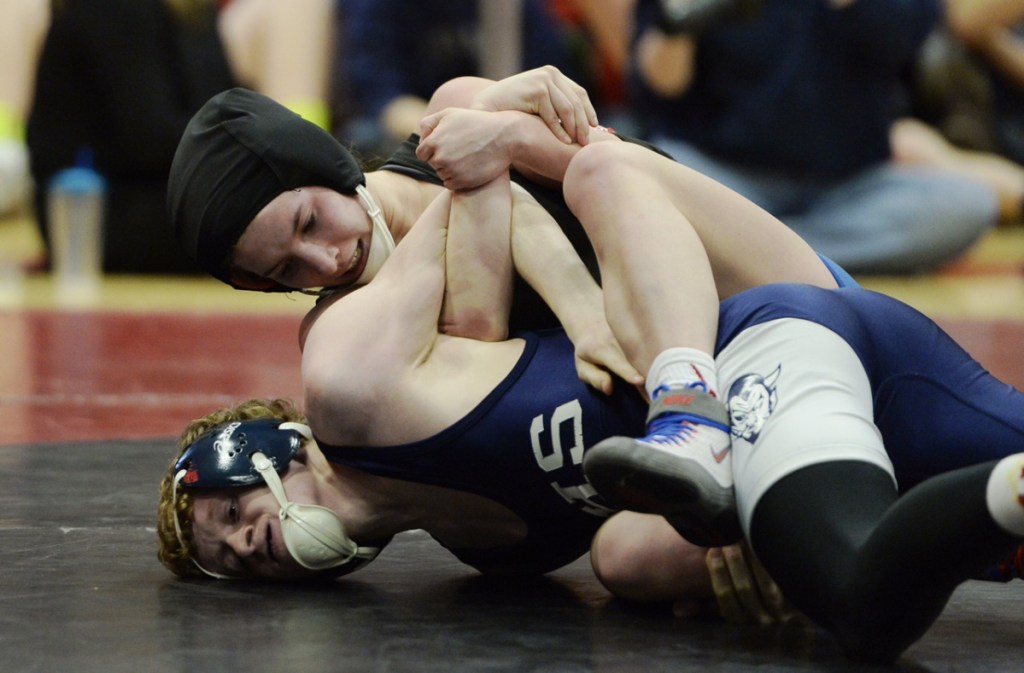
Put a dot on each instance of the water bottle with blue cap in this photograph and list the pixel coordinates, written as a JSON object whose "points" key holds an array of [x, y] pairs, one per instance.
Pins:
{"points": [[75, 204]]}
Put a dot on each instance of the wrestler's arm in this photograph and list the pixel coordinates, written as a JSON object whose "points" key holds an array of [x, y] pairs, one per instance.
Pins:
{"points": [[476, 128], [466, 146], [491, 230], [359, 345], [640, 557], [546, 260], [479, 262], [379, 346], [543, 255], [561, 103]]}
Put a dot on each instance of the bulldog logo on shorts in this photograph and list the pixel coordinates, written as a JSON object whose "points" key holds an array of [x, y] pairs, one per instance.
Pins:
{"points": [[752, 399]]}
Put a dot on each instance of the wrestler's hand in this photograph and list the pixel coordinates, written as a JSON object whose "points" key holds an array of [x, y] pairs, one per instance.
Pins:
{"points": [[467, 148], [599, 357], [562, 103], [743, 589]]}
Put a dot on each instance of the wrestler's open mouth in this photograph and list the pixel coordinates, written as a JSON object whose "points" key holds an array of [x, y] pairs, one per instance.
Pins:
{"points": [[355, 265], [356, 256], [270, 543]]}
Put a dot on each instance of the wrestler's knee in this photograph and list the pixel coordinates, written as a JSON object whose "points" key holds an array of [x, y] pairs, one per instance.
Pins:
{"points": [[879, 620], [849, 604], [640, 557], [596, 173], [612, 556]]}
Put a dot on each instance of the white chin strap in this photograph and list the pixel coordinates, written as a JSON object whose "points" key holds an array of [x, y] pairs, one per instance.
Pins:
{"points": [[314, 535], [382, 243]]}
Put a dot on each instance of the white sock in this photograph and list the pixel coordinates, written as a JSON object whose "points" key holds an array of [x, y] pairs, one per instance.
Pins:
{"points": [[685, 367], [1005, 494]]}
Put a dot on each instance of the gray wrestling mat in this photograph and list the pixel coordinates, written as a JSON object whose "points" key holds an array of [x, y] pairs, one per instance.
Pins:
{"points": [[81, 590]]}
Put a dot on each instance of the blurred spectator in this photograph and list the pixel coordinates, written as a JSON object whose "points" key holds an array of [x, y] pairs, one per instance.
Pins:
{"points": [[22, 25], [917, 143], [118, 80], [397, 52], [972, 77], [967, 100], [791, 102], [601, 34]]}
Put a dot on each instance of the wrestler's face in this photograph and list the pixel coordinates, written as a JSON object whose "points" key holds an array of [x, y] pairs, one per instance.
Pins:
{"points": [[304, 238], [237, 532]]}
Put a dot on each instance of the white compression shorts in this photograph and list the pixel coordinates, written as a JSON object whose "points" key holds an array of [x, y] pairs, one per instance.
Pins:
{"points": [[798, 395]]}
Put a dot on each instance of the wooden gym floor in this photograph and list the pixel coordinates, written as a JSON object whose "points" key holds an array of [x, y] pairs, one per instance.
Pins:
{"points": [[91, 399]]}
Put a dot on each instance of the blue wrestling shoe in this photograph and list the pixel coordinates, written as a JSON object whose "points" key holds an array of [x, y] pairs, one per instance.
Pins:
{"points": [[682, 468]]}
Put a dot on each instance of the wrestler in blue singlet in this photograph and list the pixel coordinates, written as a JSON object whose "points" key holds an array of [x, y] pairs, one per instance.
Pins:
{"points": [[864, 440], [522, 446], [937, 408]]}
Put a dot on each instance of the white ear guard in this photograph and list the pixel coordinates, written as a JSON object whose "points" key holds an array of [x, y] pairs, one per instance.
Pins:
{"points": [[244, 453], [314, 535]]}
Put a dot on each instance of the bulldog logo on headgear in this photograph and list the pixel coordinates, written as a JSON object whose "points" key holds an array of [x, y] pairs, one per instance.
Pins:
{"points": [[225, 446], [752, 399]]}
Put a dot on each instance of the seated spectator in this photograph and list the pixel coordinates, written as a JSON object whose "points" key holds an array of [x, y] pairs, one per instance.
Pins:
{"points": [[118, 80], [993, 30], [791, 103]]}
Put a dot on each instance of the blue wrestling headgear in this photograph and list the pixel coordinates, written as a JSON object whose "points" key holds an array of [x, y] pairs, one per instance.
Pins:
{"points": [[246, 453]]}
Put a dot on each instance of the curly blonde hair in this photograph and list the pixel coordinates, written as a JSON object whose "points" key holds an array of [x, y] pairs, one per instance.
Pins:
{"points": [[178, 558]]}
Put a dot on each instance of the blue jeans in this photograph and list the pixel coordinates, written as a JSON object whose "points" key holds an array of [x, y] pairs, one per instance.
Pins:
{"points": [[886, 219]]}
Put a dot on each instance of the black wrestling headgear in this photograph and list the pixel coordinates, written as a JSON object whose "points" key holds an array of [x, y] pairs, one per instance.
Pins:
{"points": [[238, 153]]}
